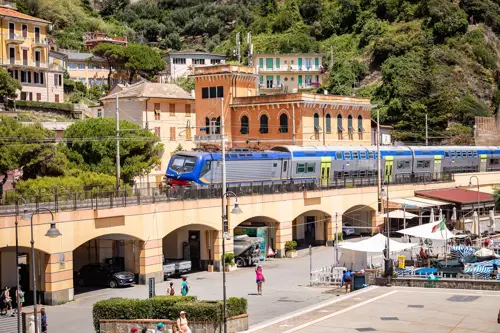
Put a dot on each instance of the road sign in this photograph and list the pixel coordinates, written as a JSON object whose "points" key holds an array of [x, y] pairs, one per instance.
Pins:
{"points": [[152, 287]]}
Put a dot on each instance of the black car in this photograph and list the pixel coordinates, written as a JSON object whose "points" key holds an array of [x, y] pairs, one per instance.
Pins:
{"points": [[104, 275]]}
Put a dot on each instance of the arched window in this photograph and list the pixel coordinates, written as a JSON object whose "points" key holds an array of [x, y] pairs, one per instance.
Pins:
{"points": [[264, 124], [244, 125], [207, 125], [328, 123], [283, 123], [360, 124], [349, 124], [316, 122], [339, 123], [217, 126]]}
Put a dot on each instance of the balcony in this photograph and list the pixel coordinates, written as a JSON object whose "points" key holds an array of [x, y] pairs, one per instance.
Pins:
{"points": [[309, 86], [292, 68], [264, 86], [13, 38], [11, 62], [40, 42]]}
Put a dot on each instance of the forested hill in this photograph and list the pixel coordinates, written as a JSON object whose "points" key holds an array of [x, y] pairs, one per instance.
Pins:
{"points": [[411, 57]]}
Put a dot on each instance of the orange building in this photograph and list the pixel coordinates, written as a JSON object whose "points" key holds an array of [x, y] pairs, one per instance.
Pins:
{"points": [[266, 121]]}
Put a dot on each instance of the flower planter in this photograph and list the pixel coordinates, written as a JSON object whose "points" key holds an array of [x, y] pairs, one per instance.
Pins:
{"points": [[230, 268], [210, 268], [291, 254]]}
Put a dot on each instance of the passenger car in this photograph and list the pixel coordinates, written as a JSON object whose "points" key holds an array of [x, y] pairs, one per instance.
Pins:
{"points": [[104, 275], [347, 230]]}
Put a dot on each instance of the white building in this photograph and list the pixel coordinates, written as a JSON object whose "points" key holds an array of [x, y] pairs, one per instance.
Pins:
{"points": [[181, 63]]}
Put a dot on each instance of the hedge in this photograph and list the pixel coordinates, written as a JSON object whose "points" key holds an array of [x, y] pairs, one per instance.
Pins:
{"points": [[166, 307], [45, 105]]}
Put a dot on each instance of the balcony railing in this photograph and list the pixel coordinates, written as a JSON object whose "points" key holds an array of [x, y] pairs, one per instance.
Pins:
{"points": [[16, 38], [291, 68], [23, 63], [272, 87], [43, 42]]}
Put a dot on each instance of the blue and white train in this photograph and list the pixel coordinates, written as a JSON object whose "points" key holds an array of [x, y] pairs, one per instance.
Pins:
{"points": [[327, 165]]}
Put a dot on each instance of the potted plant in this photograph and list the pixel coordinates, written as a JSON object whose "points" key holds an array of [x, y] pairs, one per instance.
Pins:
{"points": [[290, 249], [340, 237], [229, 260]]}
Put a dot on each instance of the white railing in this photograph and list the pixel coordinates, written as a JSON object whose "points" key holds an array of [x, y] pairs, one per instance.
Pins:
{"points": [[40, 41], [23, 62], [329, 275], [15, 37], [290, 68]]}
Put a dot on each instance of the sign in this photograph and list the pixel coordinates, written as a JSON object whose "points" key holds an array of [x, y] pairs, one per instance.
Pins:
{"points": [[151, 284], [401, 261], [386, 139]]}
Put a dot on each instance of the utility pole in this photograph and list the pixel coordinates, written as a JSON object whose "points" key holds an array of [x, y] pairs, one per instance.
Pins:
{"points": [[379, 176], [336, 240], [117, 145], [324, 140], [426, 131], [250, 48], [224, 212]]}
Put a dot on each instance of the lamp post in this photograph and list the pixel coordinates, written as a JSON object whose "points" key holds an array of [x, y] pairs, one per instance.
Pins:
{"points": [[388, 262], [478, 208], [23, 217], [53, 232], [225, 234]]}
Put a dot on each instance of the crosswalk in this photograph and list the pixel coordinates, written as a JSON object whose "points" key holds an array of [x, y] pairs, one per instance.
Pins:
{"points": [[8, 324]]}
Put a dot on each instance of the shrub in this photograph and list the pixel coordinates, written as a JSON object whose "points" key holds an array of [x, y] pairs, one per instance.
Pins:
{"points": [[162, 305], [228, 259], [290, 246], [45, 105], [121, 308], [236, 306], [199, 311], [340, 236]]}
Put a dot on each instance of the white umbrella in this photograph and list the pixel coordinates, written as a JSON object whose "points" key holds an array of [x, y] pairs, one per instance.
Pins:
{"points": [[425, 231], [440, 214], [432, 218], [492, 221], [399, 214]]}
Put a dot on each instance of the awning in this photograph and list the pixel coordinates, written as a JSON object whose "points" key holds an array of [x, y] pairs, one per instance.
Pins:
{"points": [[376, 243], [399, 214], [417, 202], [425, 231]]}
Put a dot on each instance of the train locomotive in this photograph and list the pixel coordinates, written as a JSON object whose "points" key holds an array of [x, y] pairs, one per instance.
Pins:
{"points": [[328, 164]]}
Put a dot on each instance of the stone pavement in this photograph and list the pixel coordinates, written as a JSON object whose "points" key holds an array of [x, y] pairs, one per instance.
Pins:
{"points": [[396, 309]]}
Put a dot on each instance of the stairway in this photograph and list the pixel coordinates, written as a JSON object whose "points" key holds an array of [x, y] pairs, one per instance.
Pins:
{"points": [[8, 324]]}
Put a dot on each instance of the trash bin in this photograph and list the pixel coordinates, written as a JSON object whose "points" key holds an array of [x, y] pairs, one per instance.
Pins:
{"points": [[359, 281]]}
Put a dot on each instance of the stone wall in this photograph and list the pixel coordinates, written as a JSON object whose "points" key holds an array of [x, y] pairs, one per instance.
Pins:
{"points": [[443, 283], [234, 324], [486, 131]]}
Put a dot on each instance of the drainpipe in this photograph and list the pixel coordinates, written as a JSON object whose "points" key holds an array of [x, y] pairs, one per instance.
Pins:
{"points": [[324, 129]]}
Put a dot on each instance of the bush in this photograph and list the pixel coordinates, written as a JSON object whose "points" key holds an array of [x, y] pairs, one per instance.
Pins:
{"points": [[121, 308], [340, 236], [228, 258], [162, 305], [236, 306], [45, 105], [290, 246], [199, 311]]}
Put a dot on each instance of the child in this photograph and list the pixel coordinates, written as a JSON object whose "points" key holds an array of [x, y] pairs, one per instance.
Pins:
{"points": [[259, 278], [170, 290]]}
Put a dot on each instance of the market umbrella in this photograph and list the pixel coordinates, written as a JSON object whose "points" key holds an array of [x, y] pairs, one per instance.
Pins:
{"points": [[432, 218], [491, 215], [475, 222]]}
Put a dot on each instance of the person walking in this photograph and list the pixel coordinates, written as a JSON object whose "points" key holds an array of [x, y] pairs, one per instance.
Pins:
{"points": [[259, 279], [184, 286], [43, 318], [7, 302], [20, 297], [170, 290], [182, 323]]}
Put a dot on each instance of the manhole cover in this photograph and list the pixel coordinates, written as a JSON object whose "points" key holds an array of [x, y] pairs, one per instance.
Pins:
{"points": [[418, 306], [365, 329], [462, 298], [389, 318]]}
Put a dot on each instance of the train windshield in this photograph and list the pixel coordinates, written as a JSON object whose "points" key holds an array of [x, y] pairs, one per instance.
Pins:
{"points": [[183, 163]]}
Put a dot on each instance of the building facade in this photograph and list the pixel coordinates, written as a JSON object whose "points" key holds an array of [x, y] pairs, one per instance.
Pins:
{"points": [[261, 122], [289, 73], [92, 39], [163, 108], [182, 63], [25, 55]]}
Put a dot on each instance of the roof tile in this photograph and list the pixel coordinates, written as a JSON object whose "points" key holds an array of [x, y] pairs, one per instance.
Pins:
{"points": [[146, 89]]}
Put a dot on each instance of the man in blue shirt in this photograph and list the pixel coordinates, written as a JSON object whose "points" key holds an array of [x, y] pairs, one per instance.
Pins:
{"points": [[44, 320], [347, 280]]}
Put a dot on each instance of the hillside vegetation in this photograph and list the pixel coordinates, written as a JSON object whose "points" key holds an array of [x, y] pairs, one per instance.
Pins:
{"points": [[410, 57]]}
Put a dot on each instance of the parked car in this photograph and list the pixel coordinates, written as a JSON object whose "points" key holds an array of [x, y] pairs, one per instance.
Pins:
{"points": [[347, 230], [104, 275], [168, 269]]}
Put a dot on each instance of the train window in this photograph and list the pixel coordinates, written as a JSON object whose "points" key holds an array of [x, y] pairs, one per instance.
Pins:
{"points": [[346, 175], [371, 155], [347, 155], [183, 163], [423, 164], [447, 154], [338, 174], [354, 174], [452, 154], [338, 155], [301, 168], [355, 155], [475, 154], [362, 155], [285, 164], [469, 154], [362, 174], [310, 167], [400, 165], [206, 168], [275, 165], [459, 154], [464, 154]]}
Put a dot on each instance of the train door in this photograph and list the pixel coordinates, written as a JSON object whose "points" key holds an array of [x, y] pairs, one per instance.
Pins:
{"points": [[482, 166], [326, 166], [437, 166], [389, 165]]}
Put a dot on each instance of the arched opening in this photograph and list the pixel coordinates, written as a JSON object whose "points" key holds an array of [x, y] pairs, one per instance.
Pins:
{"points": [[360, 127], [358, 220], [264, 124], [261, 230], [311, 228], [283, 123], [316, 122], [340, 128], [350, 127], [328, 123], [244, 125]]}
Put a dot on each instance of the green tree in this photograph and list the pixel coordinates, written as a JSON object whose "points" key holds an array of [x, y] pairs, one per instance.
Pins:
{"points": [[91, 145], [113, 54], [8, 86], [143, 60], [496, 196]]}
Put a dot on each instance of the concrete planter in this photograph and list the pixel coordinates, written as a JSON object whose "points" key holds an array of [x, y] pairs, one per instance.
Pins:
{"points": [[210, 268], [230, 268], [291, 254]]}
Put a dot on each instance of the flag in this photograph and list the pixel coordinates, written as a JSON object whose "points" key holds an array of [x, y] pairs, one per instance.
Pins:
{"points": [[440, 226]]}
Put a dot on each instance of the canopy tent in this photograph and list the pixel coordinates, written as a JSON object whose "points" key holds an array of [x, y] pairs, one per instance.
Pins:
{"points": [[399, 214], [425, 231], [376, 243]]}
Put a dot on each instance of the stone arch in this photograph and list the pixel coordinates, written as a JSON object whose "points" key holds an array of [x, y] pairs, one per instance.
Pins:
{"points": [[262, 224], [283, 111], [264, 112], [312, 227], [361, 217]]}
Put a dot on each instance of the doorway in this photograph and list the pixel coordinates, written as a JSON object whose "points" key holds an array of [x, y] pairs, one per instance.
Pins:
{"points": [[310, 230], [194, 249]]}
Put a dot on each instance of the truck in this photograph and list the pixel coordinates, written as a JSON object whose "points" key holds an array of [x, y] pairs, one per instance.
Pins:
{"points": [[246, 250], [173, 267]]}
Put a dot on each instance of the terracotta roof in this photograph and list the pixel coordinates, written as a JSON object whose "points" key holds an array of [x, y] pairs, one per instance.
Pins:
{"points": [[146, 89], [12, 13], [456, 195]]}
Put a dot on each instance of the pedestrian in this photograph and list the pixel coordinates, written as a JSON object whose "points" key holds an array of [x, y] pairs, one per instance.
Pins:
{"points": [[347, 280], [133, 330], [184, 286], [20, 298], [160, 327], [259, 279], [170, 290], [182, 323], [7, 302], [494, 272], [144, 330], [43, 318]]}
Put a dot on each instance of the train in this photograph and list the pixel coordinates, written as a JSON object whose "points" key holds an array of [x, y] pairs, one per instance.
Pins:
{"points": [[328, 164]]}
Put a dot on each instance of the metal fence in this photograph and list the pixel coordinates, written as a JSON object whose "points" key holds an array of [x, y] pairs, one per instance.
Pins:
{"points": [[73, 199], [327, 275]]}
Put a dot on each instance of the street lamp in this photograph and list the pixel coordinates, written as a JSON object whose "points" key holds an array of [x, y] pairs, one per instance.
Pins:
{"points": [[25, 216], [52, 233], [478, 208], [225, 234], [388, 263]]}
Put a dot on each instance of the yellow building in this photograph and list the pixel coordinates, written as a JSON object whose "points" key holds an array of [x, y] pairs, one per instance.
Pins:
{"points": [[163, 108], [289, 73], [25, 54]]}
